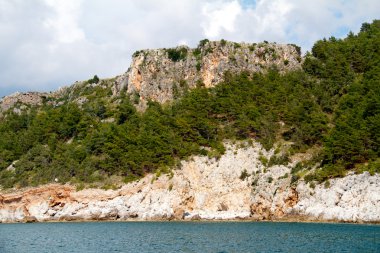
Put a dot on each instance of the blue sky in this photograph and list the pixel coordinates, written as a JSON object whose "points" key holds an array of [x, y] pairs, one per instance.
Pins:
{"points": [[248, 3], [46, 44]]}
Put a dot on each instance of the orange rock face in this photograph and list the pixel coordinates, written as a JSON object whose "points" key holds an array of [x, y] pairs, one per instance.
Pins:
{"points": [[52, 194], [153, 75]]}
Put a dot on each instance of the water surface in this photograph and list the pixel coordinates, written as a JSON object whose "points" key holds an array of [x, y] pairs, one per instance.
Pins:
{"points": [[205, 237]]}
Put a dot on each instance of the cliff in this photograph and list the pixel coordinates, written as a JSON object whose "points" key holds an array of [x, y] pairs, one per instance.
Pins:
{"points": [[162, 74], [237, 186], [22, 100]]}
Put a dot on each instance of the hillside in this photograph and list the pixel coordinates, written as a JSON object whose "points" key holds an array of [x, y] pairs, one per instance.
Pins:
{"points": [[164, 74], [175, 103]]}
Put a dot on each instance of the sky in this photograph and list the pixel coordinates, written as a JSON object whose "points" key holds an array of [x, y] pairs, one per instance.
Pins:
{"points": [[47, 44]]}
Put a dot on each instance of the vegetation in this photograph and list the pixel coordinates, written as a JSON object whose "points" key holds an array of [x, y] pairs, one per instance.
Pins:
{"points": [[252, 47], [349, 90], [95, 80], [203, 42], [177, 54], [244, 174], [298, 49], [339, 111]]}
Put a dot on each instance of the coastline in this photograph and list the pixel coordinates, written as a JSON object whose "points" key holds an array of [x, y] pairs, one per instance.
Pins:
{"points": [[300, 219], [207, 190]]}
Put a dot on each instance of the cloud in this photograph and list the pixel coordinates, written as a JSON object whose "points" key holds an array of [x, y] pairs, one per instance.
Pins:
{"points": [[64, 22], [49, 43], [220, 16], [289, 21]]}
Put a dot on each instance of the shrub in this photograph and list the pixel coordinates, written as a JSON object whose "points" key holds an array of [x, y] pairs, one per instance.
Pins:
{"points": [[175, 91], [203, 152], [80, 187], [294, 179], [278, 160], [244, 174], [135, 98], [298, 167], [198, 66], [95, 79], [203, 42], [209, 50], [310, 177], [252, 47], [177, 54], [197, 52], [200, 84], [286, 175], [137, 53], [298, 49], [263, 160]]}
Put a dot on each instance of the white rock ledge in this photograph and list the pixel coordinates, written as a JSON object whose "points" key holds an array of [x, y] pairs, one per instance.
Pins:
{"points": [[205, 189]]}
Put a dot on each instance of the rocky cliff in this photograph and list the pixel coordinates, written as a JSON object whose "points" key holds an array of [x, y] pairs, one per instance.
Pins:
{"points": [[20, 101], [236, 186], [162, 74]]}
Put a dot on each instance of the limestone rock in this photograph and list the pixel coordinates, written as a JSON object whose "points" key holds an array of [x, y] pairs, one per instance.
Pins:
{"points": [[158, 76], [22, 99], [207, 189], [161, 75], [30, 219], [352, 198]]}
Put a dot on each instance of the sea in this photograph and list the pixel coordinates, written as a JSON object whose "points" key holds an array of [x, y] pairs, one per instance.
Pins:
{"points": [[203, 237]]}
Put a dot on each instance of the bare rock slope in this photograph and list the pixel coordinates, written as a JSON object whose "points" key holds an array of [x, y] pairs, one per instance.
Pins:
{"points": [[22, 99], [161, 74], [236, 186]]}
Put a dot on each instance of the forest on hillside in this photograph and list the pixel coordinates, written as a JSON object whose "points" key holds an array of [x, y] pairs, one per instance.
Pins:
{"points": [[333, 104]]}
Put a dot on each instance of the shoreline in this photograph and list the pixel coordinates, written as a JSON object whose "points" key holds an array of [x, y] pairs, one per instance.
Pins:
{"points": [[294, 219], [204, 190]]}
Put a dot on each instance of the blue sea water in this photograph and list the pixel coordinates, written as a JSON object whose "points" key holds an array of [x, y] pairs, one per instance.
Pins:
{"points": [[204, 237]]}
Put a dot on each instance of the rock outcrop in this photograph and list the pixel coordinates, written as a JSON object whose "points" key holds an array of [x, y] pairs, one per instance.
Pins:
{"points": [[352, 198], [162, 74], [235, 186], [23, 99]]}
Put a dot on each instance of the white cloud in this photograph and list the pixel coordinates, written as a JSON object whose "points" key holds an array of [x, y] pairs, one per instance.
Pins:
{"points": [[49, 43], [297, 21], [219, 16], [65, 21]]}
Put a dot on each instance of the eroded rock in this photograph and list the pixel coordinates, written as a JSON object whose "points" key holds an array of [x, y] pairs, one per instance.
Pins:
{"points": [[154, 75], [207, 189]]}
